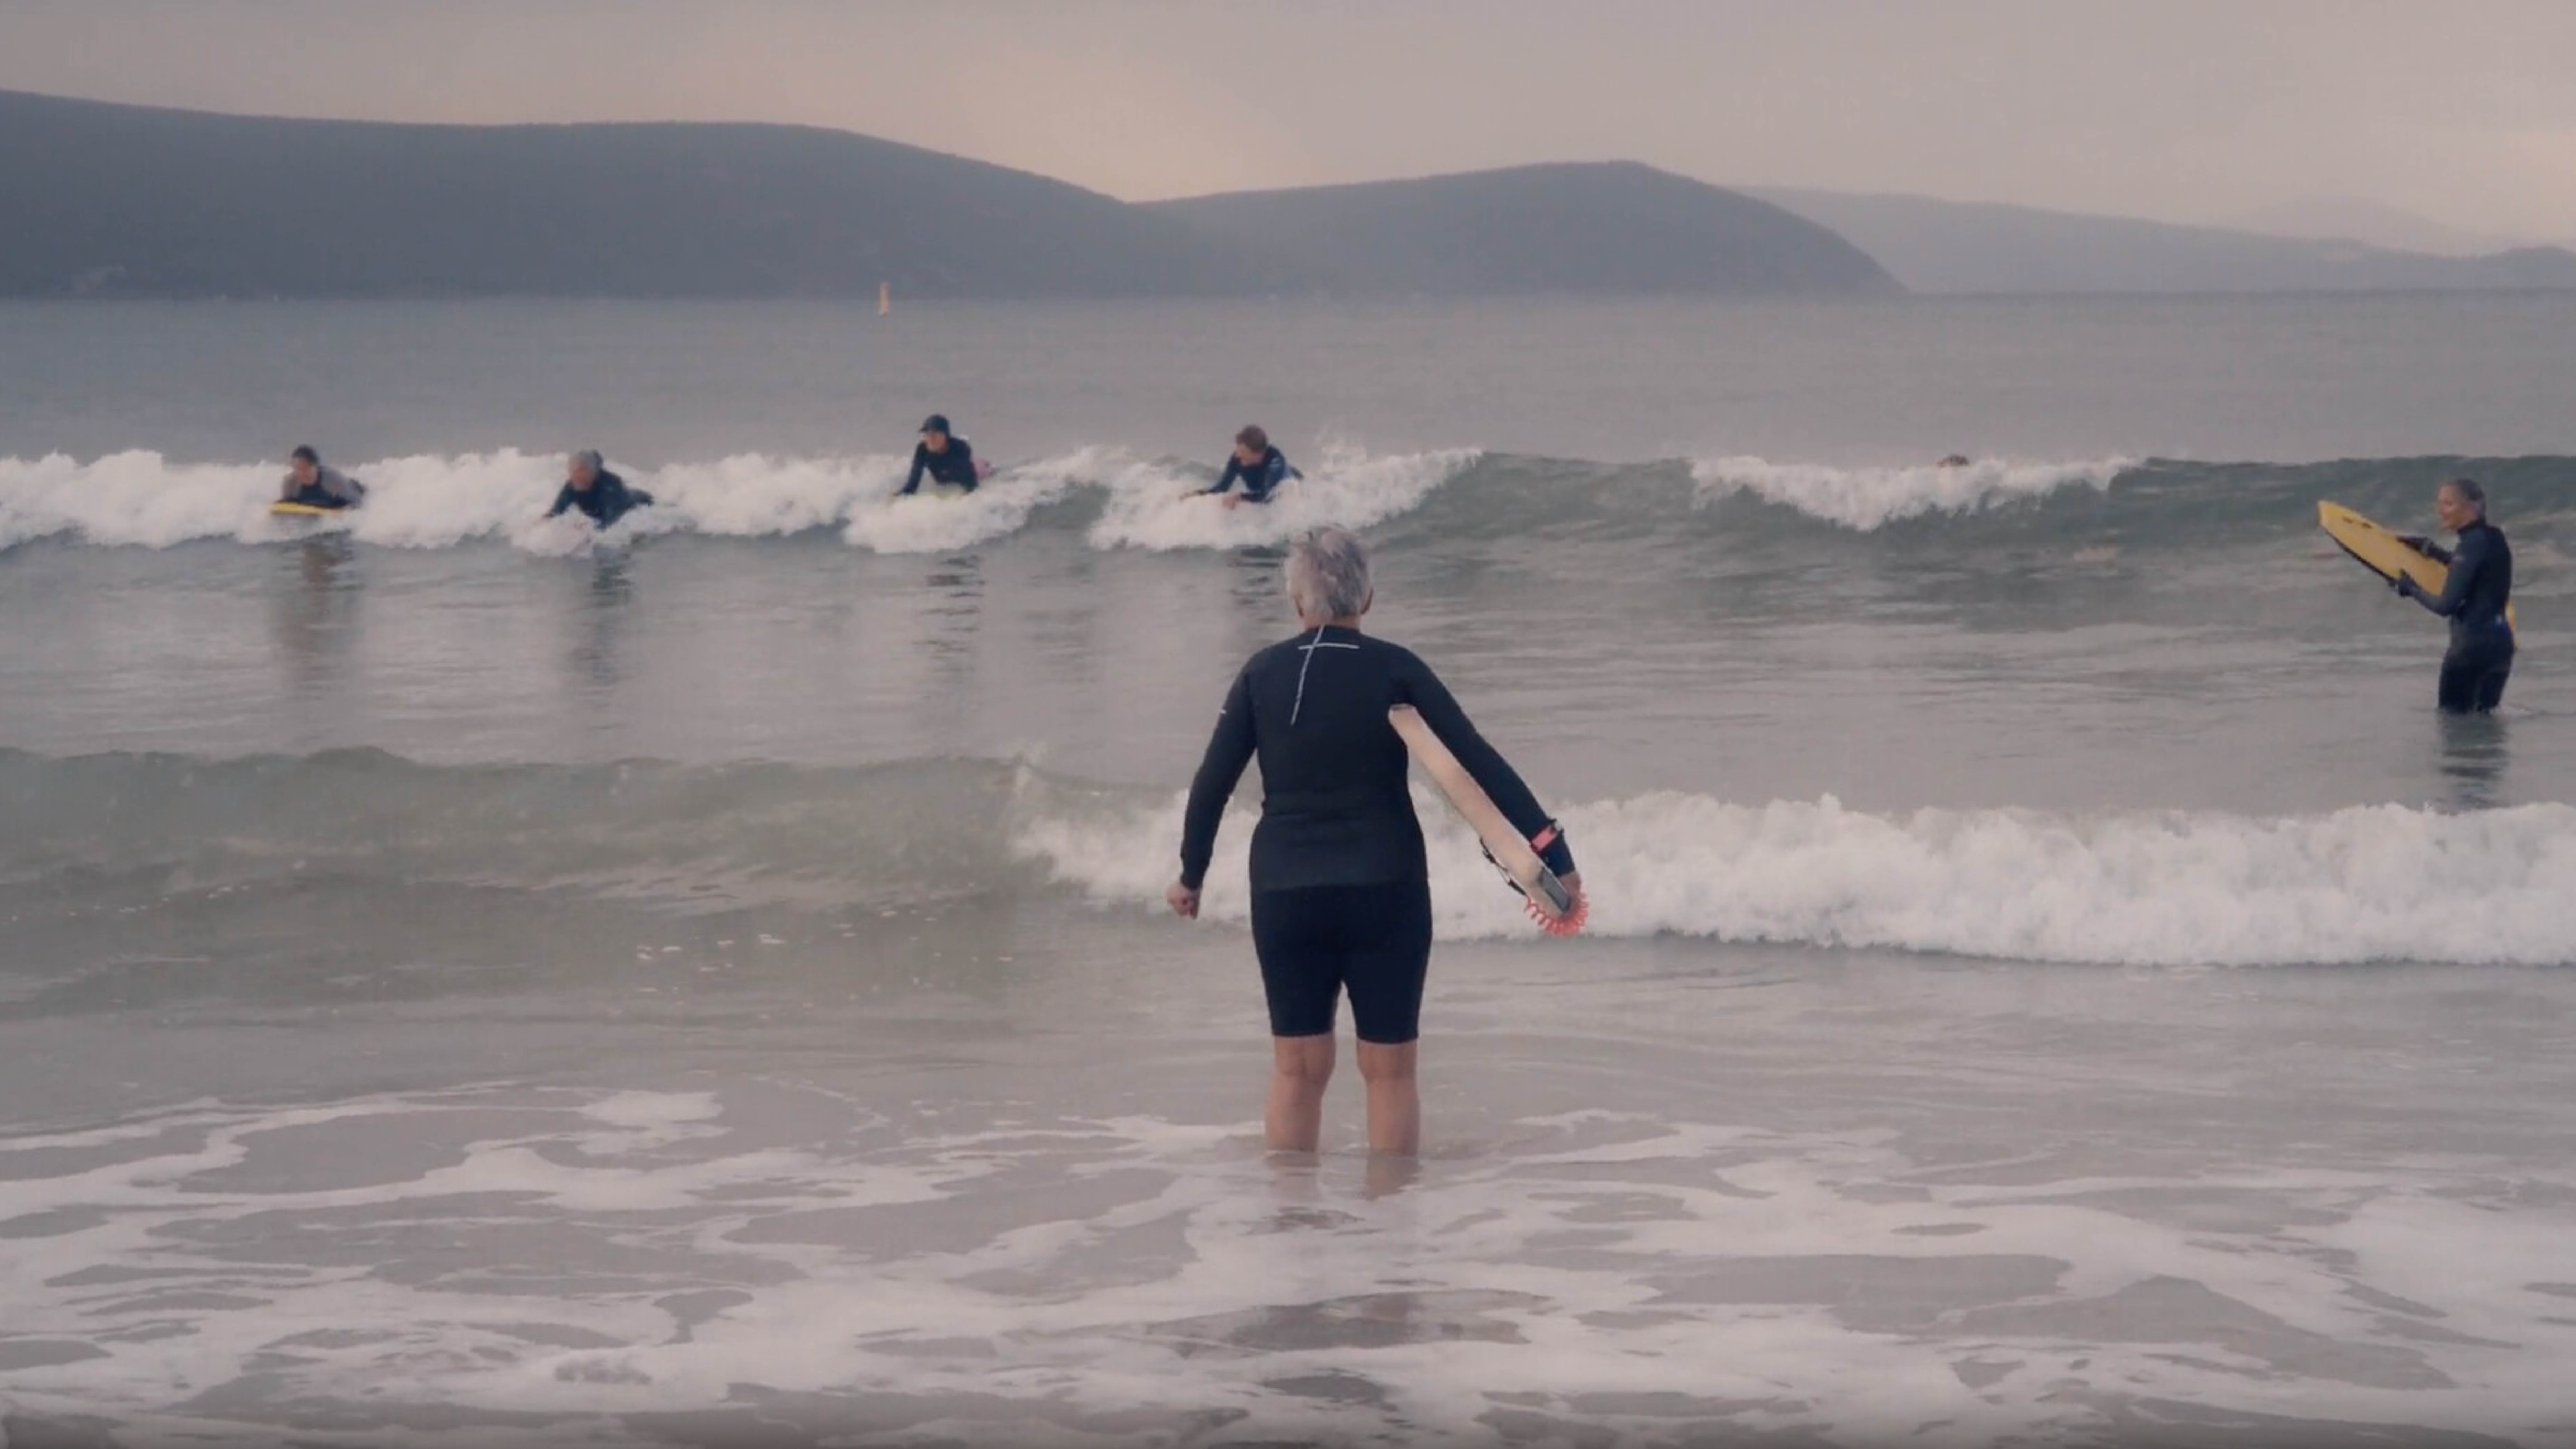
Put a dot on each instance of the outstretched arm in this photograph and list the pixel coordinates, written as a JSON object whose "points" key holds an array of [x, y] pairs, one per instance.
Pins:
{"points": [[1229, 749], [920, 460], [1233, 470], [1492, 772], [564, 498], [2466, 564]]}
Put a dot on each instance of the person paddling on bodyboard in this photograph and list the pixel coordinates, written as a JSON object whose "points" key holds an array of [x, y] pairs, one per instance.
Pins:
{"points": [[1261, 468], [601, 496], [945, 458], [311, 485]]}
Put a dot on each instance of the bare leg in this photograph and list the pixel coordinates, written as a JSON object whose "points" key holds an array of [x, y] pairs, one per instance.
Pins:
{"points": [[1300, 1066], [1394, 1105]]}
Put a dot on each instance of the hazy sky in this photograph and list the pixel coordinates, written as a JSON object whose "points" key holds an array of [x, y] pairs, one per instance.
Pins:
{"points": [[2463, 110]]}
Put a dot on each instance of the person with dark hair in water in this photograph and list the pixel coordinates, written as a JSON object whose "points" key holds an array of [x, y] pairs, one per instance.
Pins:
{"points": [[2474, 598], [942, 456], [1260, 467], [602, 496], [312, 485], [1341, 890]]}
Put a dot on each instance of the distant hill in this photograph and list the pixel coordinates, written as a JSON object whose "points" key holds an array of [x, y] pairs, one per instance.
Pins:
{"points": [[1947, 246], [1615, 227], [134, 200], [111, 200]]}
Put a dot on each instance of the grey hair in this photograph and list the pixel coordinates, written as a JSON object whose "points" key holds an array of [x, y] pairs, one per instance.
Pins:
{"points": [[2470, 489], [1328, 575], [589, 458]]}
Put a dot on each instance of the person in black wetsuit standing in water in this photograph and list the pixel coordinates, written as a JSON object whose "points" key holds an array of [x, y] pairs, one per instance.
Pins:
{"points": [[602, 496], [945, 457], [2480, 658], [1261, 467], [1341, 892]]}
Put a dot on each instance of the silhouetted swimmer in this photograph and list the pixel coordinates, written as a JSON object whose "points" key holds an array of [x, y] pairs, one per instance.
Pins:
{"points": [[2480, 659], [1260, 467], [312, 485], [1955, 460], [602, 496]]}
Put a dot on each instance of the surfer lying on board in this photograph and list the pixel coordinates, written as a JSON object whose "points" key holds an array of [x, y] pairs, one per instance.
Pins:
{"points": [[311, 485], [2481, 584], [947, 458], [1260, 467], [602, 496], [1341, 892]]}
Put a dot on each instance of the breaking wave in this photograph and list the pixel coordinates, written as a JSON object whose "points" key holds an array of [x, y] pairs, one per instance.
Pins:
{"points": [[2371, 883]]}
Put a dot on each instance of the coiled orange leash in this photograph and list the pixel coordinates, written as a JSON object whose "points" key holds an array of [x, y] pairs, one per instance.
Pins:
{"points": [[1578, 905]]}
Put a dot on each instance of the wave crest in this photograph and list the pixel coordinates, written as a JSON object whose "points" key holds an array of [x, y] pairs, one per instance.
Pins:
{"points": [[2376, 883], [1869, 498]]}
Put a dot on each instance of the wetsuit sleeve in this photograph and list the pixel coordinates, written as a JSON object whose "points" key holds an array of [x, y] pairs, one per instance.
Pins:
{"points": [[1233, 470], [912, 483], [565, 498], [965, 452], [2466, 563], [1424, 691], [1228, 751]]}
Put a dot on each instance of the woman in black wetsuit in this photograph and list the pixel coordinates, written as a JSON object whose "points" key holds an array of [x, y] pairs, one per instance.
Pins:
{"points": [[2480, 659], [1341, 894]]}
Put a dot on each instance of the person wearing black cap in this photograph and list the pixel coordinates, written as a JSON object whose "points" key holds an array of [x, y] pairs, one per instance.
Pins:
{"points": [[947, 458], [1261, 467], [314, 486]]}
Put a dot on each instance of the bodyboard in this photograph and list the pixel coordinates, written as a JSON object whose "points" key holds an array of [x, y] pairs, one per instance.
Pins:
{"points": [[1547, 894]]}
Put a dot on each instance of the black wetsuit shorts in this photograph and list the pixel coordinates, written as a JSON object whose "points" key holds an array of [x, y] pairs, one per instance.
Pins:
{"points": [[1316, 942]]}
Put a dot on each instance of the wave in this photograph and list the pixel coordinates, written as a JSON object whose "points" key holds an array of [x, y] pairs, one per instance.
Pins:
{"points": [[141, 499], [2368, 883], [1869, 498], [2374, 883], [1117, 499]]}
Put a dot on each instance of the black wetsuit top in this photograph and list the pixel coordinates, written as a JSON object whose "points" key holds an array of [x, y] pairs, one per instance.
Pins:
{"points": [[606, 500], [2480, 585], [1335, 809], [1261, 479], [955, 467], [330, 488]]}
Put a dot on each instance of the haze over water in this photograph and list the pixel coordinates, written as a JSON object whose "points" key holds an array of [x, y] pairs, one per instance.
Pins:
{"points": [[2053, 972]]}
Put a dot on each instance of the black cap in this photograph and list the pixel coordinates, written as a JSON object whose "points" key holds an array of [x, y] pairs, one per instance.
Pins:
{"points": [[935, 423], [306, 454]]}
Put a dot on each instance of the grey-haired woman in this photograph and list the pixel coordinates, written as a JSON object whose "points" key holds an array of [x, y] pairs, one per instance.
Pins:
{"points": [[1341, 895]]}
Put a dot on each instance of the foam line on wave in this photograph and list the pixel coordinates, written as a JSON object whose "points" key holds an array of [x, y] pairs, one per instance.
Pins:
{"points": [[1155, 506], [141, 499], [1869, 498], [2369, 883]]}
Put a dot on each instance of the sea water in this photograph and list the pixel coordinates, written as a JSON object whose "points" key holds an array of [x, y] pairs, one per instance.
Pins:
{"points": [[2053, 973]]}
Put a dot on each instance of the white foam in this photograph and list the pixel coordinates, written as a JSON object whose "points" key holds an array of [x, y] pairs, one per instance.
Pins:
{"points": [[1157, 506], [142, 499], [1865, 498], [2368, 883]]}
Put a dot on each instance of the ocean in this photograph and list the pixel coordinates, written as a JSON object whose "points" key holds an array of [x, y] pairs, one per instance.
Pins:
{"points": [[2053, 976]]}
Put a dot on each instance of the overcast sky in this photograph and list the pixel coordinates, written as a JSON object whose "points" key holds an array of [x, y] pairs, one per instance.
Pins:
{"points": [[2461, 110]]}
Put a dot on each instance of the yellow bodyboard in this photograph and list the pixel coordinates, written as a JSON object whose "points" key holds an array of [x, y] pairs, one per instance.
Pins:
{"points": [[2383, 553], [302, 510]]}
